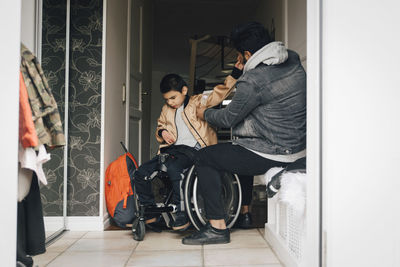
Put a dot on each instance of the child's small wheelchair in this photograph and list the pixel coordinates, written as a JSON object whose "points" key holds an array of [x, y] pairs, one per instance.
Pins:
{"points": [[193, 202]]}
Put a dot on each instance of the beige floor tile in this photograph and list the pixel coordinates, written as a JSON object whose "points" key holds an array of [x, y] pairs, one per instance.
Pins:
{"points": [[242, 241], [91, 258], [49, 233], [73, 234], [164, 241], [239, 256], [61, 244], [252, 265], [126, 234], [44, 259], [103, 245], [262, 231], [166, 258], [245, 232]]}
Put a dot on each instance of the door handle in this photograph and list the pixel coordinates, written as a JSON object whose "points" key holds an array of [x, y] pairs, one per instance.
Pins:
{"points": [[123, 93], [144, 93]]}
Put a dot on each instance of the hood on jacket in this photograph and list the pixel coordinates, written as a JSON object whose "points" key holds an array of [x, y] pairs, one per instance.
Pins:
{"points": [[273, 53]]}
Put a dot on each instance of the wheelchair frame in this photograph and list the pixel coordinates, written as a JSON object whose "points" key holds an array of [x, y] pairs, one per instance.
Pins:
{"points": [[192, 203]]}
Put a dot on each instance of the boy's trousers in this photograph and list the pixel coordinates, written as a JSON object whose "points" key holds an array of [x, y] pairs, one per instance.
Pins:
{"points": [[175, 164]]}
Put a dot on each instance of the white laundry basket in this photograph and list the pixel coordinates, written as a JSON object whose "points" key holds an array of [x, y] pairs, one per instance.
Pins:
{"points": [[286, 230]]}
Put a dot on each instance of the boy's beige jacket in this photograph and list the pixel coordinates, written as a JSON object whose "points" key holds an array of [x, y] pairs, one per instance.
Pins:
{"points": [[200, 129]]}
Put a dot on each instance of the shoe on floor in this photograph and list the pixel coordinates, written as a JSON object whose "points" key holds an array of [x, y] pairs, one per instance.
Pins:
{"points": [[244, 221], [181, 222], [208, 235]]}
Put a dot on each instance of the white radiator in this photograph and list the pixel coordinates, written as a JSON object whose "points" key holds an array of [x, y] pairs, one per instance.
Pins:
{"points": [[286, 229]]}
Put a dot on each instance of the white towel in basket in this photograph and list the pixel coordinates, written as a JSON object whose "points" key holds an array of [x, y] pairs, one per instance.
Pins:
{"points": [[293, 191], [293, 188]]}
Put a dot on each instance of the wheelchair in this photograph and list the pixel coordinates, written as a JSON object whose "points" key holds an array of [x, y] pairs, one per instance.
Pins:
{"points": [[193, 201]]}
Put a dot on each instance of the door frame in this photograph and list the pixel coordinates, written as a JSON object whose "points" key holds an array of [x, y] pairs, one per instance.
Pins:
{"points": [[10, 19], [313, 254], [130, 110], [128, 69]]}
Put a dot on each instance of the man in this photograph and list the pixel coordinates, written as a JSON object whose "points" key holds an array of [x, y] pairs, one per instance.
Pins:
{"points": [[268, 120]]}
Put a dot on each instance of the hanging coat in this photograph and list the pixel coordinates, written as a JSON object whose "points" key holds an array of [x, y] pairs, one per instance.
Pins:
{"points": [[44, 107]]}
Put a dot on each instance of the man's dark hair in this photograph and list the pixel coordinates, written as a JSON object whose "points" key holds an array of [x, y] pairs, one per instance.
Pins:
{"points": [[249, 37], [171, 82]]}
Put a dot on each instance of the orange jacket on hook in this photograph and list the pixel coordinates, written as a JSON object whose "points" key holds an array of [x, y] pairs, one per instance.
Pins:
{"points": [[27, 132]]}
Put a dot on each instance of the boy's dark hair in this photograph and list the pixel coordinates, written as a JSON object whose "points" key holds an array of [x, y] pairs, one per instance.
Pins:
{"points": [[249, 37], [171, 82]]}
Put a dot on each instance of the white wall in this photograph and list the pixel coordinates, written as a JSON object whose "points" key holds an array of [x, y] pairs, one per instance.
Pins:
{"points": [[28, 24], [361, 132], [268, 10], [114, 77], [290, 19], [296, 19], [10, 21]]}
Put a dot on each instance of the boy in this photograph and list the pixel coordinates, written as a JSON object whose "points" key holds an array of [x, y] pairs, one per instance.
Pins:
{"points": [[180, 133]]}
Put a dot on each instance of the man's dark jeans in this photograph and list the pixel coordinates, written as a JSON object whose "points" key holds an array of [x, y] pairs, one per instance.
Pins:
{"points": [[212, 160], [246, 183], [175, 165]]}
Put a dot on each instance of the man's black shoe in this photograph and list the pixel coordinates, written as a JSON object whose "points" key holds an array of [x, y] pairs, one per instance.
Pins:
{"points": [[244, 221], [181, 222], [208, 235]]}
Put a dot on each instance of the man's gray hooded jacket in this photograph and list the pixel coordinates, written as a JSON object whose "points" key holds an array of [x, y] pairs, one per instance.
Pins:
{"points": [[268, 111]]}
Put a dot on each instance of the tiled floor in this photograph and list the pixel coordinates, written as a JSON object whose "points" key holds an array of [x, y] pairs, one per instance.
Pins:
{"points": [[117, 248]]}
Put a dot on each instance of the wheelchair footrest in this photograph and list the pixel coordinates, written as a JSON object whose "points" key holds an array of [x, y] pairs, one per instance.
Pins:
{"points": [[169, 208]]}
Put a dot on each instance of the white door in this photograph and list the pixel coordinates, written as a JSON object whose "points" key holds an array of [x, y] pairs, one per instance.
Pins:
{"points": [[135, 77], [10, 25]]}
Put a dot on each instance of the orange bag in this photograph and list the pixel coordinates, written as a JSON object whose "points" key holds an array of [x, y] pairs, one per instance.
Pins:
{"points": [[119, 191]]}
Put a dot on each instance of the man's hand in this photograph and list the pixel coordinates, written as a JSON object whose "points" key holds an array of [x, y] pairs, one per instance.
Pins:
{"points": [[239, 62], [169, 138], [239, 65], [200, 112]]}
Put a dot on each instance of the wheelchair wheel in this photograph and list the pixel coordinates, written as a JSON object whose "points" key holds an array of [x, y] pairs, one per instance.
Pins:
{"points": [[138, 230], [138, 224], [231, 196]]}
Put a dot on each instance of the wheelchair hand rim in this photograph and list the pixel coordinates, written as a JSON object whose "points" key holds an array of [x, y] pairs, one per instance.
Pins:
{"points": [[195, 202]]}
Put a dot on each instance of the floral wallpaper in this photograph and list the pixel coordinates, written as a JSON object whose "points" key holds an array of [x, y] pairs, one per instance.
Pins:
{"points": [[53, 64], [84, 104], [84, 107]]}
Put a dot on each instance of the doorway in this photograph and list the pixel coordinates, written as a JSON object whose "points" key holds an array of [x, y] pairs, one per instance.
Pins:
{"points": [[177, 24], [185, 66]]}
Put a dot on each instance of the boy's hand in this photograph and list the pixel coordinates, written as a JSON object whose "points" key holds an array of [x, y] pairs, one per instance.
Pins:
{"points": [[169, 138], [200, 112]]}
